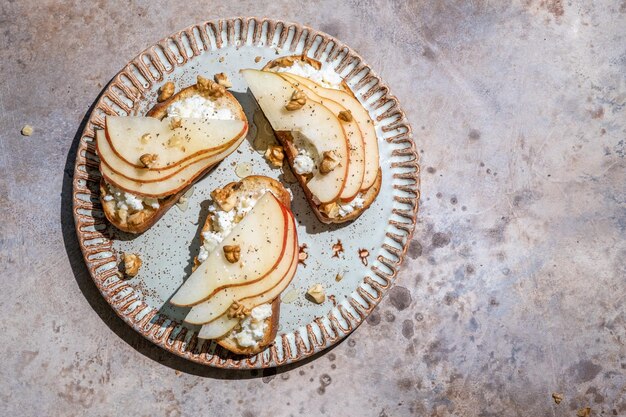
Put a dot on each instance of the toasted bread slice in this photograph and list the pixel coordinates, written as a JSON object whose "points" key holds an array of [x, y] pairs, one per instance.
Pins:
{"points": [[240, 190], [139, 220], [326, 213]]}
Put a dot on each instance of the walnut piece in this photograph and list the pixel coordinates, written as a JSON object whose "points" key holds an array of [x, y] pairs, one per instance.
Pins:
{"points": [[337, 249], [224, 199], [275, 154], [317, 294], [148, 159], [176, 122], [210, 87], [122, 215], [584, 412], [331, 209], [345, 115], [298, 99], [330, 161], [222, 79], [363, 254], [132, 263], [257, 59], [283, 62], [237, 311], [137, 218], [232, 253], [145, 138], [27, 130], [166, 91], [557, 397], [303, 255]]}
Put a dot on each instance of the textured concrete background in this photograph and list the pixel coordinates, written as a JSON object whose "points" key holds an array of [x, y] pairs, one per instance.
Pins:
{"points": [[514, 283]]}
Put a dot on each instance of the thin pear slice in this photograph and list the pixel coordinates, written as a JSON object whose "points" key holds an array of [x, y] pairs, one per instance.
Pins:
{"points": [[313, 120], [219, 302], [223, 324], [172, 146], [361, 116], [356, 151], [141, 175], [168, 186], [261, 236]]}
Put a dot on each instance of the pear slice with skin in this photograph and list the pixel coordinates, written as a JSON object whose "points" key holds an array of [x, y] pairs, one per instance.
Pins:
{"points": [[314, 122], [219, 302], [224, 324], [172, 140], [356, 151], [361, 116], [262, 239], [168, 186], [142, 175]]}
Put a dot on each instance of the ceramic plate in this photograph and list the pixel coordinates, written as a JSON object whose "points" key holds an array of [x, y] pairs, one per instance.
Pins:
{"points": [[373, 245]]}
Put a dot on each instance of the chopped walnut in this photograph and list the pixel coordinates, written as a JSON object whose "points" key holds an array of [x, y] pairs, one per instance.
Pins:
{"points": [[27, 130], [337, 249], [363, 254], [237, 311], [166, 91], [148, 159], [232, 253], [316, 293], [210, 87], [584, 412], [222, 79], [257, 59], [145, 138], [224, 199], [275, 155], [331, 210], [297, 100], [132, 263], [176, 122], [339, 276], [303, 255], [122, 215], [330, 161], [283, 62], [557, 397], [138, 217], [345, 115]]}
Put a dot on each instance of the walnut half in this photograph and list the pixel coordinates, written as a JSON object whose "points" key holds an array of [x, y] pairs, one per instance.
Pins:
{"points": [[210, 87], [275, 155], [297, 100], [237, 311], [132, 263], [232, 253], [148, 159], [331, 209], [224, 199], [330, 161]]}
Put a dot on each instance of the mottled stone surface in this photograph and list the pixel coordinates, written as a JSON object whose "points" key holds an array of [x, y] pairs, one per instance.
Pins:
{"points": [[514, 283]]}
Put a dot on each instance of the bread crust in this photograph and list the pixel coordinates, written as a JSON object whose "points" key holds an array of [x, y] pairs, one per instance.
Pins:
{"points": [[285, 138], [253, 182], [150, 215]]}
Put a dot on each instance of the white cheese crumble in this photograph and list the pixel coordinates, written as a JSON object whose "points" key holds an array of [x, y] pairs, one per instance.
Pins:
{"points": [[348, 208], [223, 222], [127, 201], [326, 76], [253, 327], [199, 107], [305, 161]]}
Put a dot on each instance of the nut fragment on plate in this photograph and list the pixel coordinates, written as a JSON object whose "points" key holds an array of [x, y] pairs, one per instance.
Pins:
{"points": [[175, 123], [232, 253], [303, 255], [275, 155], [337, 249], [166, 91], [584, 412], [339, 276], [317, 294], [145, 138], [297, 100], [331, 209], [27, 130], [224, 199], [345, 115], [210, 87], [237, 311], [363, 254], [132, 263], [330, 161], [557, 397], [148, 159], [222, 79]]}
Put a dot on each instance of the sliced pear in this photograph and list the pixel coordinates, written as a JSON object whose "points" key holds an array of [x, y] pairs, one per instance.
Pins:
{"points": [[313, 120], [223, 324], [168, 186], [356, 151], [262, 239], [219, 302], [133, 136], [361, 116], [142, 175]]}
